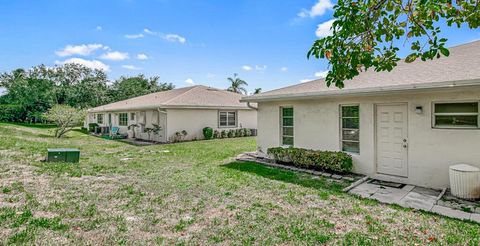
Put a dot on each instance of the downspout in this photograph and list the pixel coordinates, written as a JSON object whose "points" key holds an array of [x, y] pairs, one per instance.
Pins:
{"points": [[250, 106]]}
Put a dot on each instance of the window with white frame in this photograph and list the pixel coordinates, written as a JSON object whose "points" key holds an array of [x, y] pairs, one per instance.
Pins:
{"points": [[286, 123], [350, 128], [456, 115], [123, 119], [227, 118], [132, 116], [100, 118]]}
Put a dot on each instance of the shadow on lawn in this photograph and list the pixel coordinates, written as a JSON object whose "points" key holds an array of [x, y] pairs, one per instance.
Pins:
{"points": [[36, 125], [305, 180]]}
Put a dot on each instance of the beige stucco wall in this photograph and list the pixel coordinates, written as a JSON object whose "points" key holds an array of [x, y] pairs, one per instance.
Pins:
{"points": [[194, 120], [430, 152], [147, 117], [173, 120]]}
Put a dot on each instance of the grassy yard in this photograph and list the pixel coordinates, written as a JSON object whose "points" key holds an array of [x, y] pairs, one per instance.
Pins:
{"points": [[188, 193]]}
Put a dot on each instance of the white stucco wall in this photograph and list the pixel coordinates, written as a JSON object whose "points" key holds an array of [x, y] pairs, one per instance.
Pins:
{"points": [[430, 151], [173, 120], [194, 120]]}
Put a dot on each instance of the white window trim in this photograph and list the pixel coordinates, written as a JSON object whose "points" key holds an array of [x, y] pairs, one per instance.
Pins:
{"points": [[120, 121], [98, 117], [281, 126], [228, 111], [434, 124], [341, 127]]}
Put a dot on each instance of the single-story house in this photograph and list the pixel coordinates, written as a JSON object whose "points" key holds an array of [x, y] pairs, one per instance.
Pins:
{"points": [[408, 125], [188, 109]]}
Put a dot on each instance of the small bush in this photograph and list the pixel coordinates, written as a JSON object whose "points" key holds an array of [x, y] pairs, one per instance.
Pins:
{"points": [[217, 134], [231, 133], [208, 133], [313, 159], [223, 134], [91, 127]]}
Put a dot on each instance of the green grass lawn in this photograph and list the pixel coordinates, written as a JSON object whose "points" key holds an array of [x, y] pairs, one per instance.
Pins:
{"points": [[188, 193]]}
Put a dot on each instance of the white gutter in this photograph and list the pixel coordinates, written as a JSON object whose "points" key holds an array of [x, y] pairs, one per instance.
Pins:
{"points": [[250, 106], [139, 108], [365, 91]]}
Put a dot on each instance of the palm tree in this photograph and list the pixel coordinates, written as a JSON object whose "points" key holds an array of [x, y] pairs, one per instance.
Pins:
{"points": [[257, 91], [237, 85]]}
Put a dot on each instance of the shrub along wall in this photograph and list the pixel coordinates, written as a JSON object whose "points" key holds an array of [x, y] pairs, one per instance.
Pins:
{"points": [[313, 159], [234, 133]]}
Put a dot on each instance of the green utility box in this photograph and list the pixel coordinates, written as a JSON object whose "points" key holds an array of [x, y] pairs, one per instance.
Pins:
{"points": [[63, 155]]}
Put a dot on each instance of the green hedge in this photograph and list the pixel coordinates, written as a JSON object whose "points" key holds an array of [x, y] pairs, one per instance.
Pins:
{"points": [[313, 159]]}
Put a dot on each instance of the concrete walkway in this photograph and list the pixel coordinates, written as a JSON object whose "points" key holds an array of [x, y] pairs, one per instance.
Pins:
{"points": [[412, 197]]}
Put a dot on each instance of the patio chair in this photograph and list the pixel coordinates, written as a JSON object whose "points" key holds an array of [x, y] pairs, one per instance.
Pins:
{"points": [[114, 132]]}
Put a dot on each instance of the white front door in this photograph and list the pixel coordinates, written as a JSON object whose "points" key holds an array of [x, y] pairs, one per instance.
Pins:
{"points": [[392, 139]]}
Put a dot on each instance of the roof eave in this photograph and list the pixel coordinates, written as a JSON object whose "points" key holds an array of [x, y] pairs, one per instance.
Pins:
{"points": [[381, 90], [168, 107]]}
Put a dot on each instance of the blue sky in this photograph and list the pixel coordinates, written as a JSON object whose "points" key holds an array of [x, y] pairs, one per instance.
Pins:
{"points": [[182, 41]]}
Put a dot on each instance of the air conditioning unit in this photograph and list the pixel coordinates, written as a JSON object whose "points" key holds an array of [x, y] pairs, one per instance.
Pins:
{"points": [[465, 181]]}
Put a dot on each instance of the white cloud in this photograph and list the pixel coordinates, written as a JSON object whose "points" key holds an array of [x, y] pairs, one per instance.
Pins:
{"points": [[94, 64], [246, 68], [115, 56], [190, 81], [83, 50], [131, 67], [142, 56], [175, 38], [324, 29], [99, 28], [284, 69], [321, 74], [260, 67], [171, 37], [305, 80], [317, 10], [134, 36], [147, 31]]}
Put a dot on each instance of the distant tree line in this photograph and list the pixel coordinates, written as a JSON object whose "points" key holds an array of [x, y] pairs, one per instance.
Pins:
{"points": [[30, 93]]}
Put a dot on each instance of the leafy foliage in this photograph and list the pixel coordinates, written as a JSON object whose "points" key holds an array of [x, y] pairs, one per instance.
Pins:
{"points": [[38, 89], [365, 33], [65, 117], [237, 85], [208, 133], [10, 112], [313, 159], [128, 87]]}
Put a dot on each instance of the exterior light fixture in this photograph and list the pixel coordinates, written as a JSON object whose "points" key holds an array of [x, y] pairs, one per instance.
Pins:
{"points": [[419, 109]]}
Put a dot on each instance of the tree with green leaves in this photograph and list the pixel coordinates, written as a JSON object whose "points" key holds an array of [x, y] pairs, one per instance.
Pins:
{"points": [[75, 84], [237, 85], [367, 33], [65, 117], [33, 96], [128, 87], [257, 91]]}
